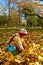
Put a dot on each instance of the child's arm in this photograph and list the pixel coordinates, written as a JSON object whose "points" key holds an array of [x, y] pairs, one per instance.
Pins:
{"points": [[19, 43], [10, 40], [24, 44]]}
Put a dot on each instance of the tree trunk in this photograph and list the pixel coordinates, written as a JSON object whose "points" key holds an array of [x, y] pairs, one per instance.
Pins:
{"points": [[9, 13]]}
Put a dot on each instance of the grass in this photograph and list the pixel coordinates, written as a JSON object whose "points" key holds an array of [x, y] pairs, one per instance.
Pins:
{"points": [[18, 28]]}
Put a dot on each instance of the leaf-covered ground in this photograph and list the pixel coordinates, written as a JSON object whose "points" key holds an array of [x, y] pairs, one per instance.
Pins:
{"points": [[32, 55]]}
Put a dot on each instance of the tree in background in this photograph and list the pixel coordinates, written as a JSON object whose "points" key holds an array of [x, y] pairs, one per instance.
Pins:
{"points": [[3, 20], [20, 8], [31, 15], [17, 18], [40, 22], [2, 9], [32, 21], [26, 8], [14, 17], [3, 16]]}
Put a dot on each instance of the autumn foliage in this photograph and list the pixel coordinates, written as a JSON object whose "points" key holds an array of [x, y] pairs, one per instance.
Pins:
{"points": [[32, 55]]}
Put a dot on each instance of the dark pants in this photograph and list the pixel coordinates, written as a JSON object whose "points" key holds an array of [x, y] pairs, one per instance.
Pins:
{"points": [[16, 52]]}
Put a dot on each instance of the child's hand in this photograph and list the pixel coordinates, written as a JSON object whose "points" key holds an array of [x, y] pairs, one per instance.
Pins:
{"points": [[20, 47]]}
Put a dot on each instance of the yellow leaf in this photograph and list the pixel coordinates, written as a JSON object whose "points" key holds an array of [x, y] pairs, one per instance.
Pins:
{"points": [[18, 61], [28, 59]]}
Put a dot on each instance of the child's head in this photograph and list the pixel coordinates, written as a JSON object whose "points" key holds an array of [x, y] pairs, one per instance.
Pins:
{"points": [[23, 32]]}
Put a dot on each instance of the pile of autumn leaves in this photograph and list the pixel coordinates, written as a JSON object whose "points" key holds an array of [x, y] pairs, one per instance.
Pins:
{"points": [[32, 55]]}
